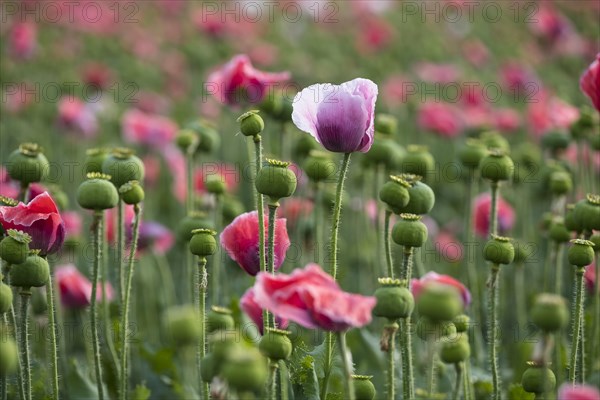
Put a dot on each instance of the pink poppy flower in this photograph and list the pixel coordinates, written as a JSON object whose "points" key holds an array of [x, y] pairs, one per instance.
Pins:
{"points": [[8, 187], [394, 91], [476, 117], [518, 77], [227, 173], [73, 224], [340, 117], [449, 247], [590, 277], [481, 215], [313, 299], [578, 392], [18, 96], [176, 162], [40, 219], [374, 34], [548, 113], [240, 240], [35, 189], [590, 82], [249, 306], [506, 119], [154, 236], [433, 278], [23, 39], [111, 220], [476, 52], [75, 289], [437, 73], [360, 7], [296, 209], [76, 115], [550, 24], [239, 82], [441, 118], [152, 168], [148, 129], [97, 74]]}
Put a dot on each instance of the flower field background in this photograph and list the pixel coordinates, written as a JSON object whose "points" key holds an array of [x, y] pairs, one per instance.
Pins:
{"points": [[300, 199]]}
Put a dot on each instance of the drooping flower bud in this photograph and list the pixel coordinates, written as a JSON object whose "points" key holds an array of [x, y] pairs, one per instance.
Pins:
{"points": [[497, 166], [550, 312], [499, 250], [581, 252], [97, 193], [276, 180], [394, 300], [14, 248], [123, 166], [251, 124], [275, 344], [33, 272], [27, 164], [409, 231], [203, 242]]}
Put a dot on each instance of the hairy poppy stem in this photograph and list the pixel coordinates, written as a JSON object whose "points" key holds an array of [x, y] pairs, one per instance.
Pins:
{"points": [[405, 332], [494, 208], [349, 386], [12, 322], [97, 228], [271, 248], [215, 282], [260, 208], [24, 342], [121, 247], [125, 316], [493, 297], [388, 250], [459, 380], [202, 284], [318, 222], [576, 332], [52, 325], [391, 393]]}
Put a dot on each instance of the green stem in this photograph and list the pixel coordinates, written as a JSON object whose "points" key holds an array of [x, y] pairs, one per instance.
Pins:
{"points": [[581, 352], [386, 240], [405, 332], [336, 215], [391, 370], [329, 341], [406, 272], [318, 223], [12, 322], [559, 268], [97, 225], [107, 322], [260, 208], [432, 367], [494, 208], [349, 386], [121, 247], [272, 385], [467, 381], [578, 301], [215, 281], [24, 342], [520, 295], [492, 332], [459, 374], [125, 316], [201, 283], [52, 327], [596, 323], [189, 198], [271, 246], [24, 190]]}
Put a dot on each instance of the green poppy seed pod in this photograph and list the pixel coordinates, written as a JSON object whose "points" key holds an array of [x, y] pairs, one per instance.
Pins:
{"points": [[428, 328], [461, 322], [275, 344], [8, 355], [499, 250], [363, 387], [97, 193], [595, 238], [587, 212], [471, 153], [559, 232], [560, 182], [251, 124], [528, 156], [183, 325], [584, 124], [195, 220], [421, 198], [494, 140], [384, 151], [581, 252], [94, 158], [304, 145], [439, 303], [203, 242], [409, 231], [456, 349], [6, 297], [386, 124], [571, 221], [187, 140], [219, 319], [550, 312], [208, 138], [276, 180], [319, 166], [27, 164], [246, 370], [132, 192], [496, 166], [418, 161], [215, 184], [394, 300], [14, 248], [394, 193], [123, 166], [555, 141], [208, 368], [33, 272], [537, 379], [546, 221]]}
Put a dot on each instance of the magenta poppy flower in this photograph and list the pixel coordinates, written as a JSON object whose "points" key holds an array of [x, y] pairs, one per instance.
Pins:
{"points": [[590, 82], [437, 73], [578, 392], [506, 119], [23, 40], [296, 209], [340, 117], [154, 236], [75, 115], [8, 187], [432, 278], [240, 240], [449, 247], [481, 215], [443, 119], [239, 82], [40, 219], [75, 289], [148, 129], [590, 277], [313, 299], [73, 224], [249, 305]]}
